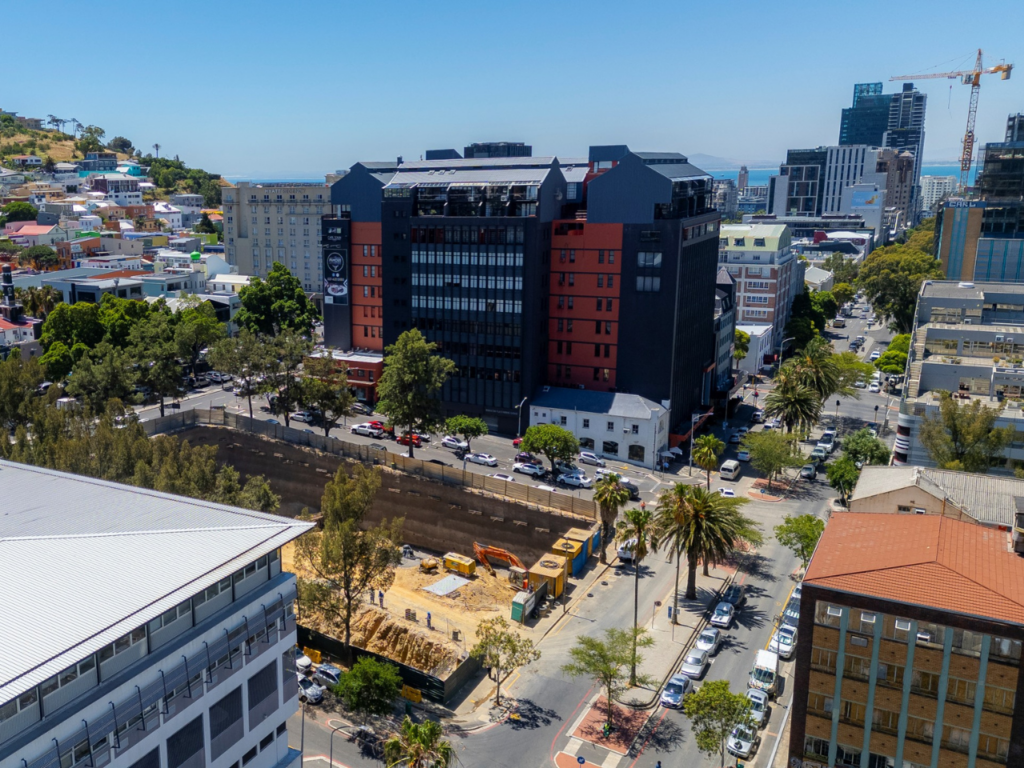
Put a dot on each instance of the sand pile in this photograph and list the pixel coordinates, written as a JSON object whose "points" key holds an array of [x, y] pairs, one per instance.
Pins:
{"points": [[394, 639]]}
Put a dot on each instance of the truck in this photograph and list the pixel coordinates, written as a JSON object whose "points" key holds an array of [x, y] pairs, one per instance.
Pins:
{"points": [[764, 676]]}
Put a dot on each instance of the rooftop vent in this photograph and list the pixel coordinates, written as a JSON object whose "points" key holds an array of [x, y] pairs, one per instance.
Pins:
{"points": [[965, 285]]}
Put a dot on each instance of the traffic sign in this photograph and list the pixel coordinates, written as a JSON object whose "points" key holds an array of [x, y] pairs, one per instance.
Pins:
{"points": [[581, 759]]}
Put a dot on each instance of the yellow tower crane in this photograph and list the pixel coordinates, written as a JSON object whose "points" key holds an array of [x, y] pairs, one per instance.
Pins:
{"points": [[971, 77]]}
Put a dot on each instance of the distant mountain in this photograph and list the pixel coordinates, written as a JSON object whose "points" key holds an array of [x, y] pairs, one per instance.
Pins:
{"points": [[715, 163]]}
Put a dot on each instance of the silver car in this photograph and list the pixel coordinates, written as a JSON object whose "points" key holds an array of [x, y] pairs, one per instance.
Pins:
{"points": [[695, 664], [709, 640], [743, 741], [309, 690], [783, 642], [675, 691], [758, 707], [722, 617]]}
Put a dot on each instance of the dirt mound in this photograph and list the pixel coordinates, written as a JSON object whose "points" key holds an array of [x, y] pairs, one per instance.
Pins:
{"points": [[392, 638]]}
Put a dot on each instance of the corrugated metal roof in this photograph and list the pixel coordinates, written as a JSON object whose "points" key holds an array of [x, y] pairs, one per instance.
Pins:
{"points": [[468, 163], [679, 171], [589, 401], [85, 561], [577, 173], [446, 178]]}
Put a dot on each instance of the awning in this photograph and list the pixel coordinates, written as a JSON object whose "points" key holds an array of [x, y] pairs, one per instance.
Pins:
{"points": [[676, 451]]}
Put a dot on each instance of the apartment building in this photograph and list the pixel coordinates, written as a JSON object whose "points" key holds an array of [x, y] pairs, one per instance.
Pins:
{"points": [[909, 653], [934, 189], [174, 642], [768, 275], [968, 339], [264, 223], [725, 330], [117, 187]]}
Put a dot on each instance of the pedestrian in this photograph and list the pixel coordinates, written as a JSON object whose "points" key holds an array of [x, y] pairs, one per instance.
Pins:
{"points": [[373, 598], [380, 596], [658, 765]]}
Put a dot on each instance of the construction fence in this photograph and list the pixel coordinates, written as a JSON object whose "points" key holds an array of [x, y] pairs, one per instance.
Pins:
{"points": [[376, 453]]}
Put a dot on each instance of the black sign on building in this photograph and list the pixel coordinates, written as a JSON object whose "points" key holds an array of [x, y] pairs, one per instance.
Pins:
{"points": [[337, 317]]}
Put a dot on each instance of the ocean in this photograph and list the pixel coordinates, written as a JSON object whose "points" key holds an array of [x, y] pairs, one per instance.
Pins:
{"points": [[759, 176]]}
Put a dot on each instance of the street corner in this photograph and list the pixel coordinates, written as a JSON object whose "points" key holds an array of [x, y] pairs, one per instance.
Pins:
{"points": [[758, 495], [627, 724], [565, 760]]}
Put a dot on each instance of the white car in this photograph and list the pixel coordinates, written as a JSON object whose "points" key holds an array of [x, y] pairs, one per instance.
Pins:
{"points": [[309, 690], [675, 691], [369, 430], [860, 384], [709, 640], [729, 493], [602, 473], [482, 458], [506, 478], [302, 416], [695, 664], [875, 355], [527, 468], [722, 617], [743, 456], [758, 706], [874, 387], [302, 662], [626, 550], [735, 437], [743, 741], [783, 642], [586, 457], [454, 443], [576, 480]]}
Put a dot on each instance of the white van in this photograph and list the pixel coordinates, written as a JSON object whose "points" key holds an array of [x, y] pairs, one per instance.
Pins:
{"points": [[764, 676], [730, 469]]}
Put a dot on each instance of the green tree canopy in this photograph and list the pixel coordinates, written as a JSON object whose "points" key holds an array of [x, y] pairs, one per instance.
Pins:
{"points": [[40, 256], [287, 356], [553, 442], [276, 304], [843, 293], [324, 390], [196, 329], [503, 650], [607, 661], [637, 533], [842, 267], [900, 343], [118, 317], [842, 475], [57, 361], [771, 452], [19, 211], [793, 400], [891, 278], [154, 354], [714, 711], [466, 427], [72, 324], [825, 303], [610, 496], [247, 357], [741, 345], [800, 535], [370, 687], [205, 226], [120, 144], [892, 362], [864, 447], [103, 374], [419, 745], [706, 450], [964, 436]]}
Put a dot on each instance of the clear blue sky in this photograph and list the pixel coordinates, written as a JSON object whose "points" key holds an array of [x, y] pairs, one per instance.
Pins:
{"points": [[295, 89]]}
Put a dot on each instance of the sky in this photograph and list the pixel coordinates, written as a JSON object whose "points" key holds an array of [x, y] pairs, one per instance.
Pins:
{"points": [[294, 90]]}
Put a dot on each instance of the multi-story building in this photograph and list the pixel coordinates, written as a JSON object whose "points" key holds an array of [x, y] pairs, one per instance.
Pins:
{"points": [[175, 644], [799, 189], [118, 187], [725, 331], [493, 149], [743, 179], [909, 652], [968, 340], [768, 275], [934, 189], [905, 131], [727, 197], [753, 199], [866, 121], [264, 223], [760, 348], [846, 166]]}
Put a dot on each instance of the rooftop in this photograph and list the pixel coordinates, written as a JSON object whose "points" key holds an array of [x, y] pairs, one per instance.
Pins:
{"points": [[443, 178], [816, 275], [32, 230], [950, 289], [924, 560], [611, 403], [125, 556], [752, 230]]}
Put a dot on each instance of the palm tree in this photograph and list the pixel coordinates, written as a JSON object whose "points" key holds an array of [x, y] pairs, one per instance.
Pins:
{"points": [[419, 745], [610, 496], [156, 148], [52, 120], [793, 401], [636, 532], [706, 450], [817, 367], [673, 511], [705, 525], [46, 299], [76, 126]]}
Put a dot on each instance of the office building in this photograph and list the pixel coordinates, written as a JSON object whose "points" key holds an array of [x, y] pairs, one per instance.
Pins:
{"points": [[726, 197], [909, 651], [846, 166], [866, 121], [143, 631], [905, 131], [1001, 173], [753, 199], [1014, 128], [934, 189], [743, 178], [968, 340], [725, 331], [768, 275], [761, 348], [264, 223], [492, 149], [799, 189]]}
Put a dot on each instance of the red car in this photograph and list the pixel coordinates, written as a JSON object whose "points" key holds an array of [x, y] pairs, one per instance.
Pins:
{"points": [[377, 424], [404, 440], [517, 442]]}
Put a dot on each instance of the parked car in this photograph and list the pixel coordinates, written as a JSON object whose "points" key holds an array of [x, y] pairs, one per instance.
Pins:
{"points": [[875, 355], [302, 416], [423, 436], [743, 741], [273, 421], [517, 442], [601, 473], [575, 479], [874, 387], [729, 493], [695, 664], [411, 437], [676, 689], [500, 476], [791, 614], [819, 455], [633, 488], [735, 438], [735, 595], [722, 617], [797, 591], [362, 408], [757, 416], [368, 430], [482, 458], [454, 443], [743, 455], [809, 471], [526, 468], [302, 662], [529, 458], [709, 640], [758, 706], [783, 642], [625, 551], [860, 384], [309, 690], [586, 457], [327, 675]]}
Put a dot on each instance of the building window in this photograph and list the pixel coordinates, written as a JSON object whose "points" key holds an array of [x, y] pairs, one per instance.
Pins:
{"points": [[600, 257], [572, 275], [562, 420], [646, 259], [572, 260], [599, 305], [570, 302], [561, 302], [607, 350], [586, 423], [600, 281], [610, 448], [648, 284], [611, 426]]}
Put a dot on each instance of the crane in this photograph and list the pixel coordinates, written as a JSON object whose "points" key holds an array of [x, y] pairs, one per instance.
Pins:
{"points": [[971, 77]]}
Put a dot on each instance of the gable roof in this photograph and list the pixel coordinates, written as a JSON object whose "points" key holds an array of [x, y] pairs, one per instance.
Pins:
{"points": [[816, 275], [35, 229], [924, 560]]}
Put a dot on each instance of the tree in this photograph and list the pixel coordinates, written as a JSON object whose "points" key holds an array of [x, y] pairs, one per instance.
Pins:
{"points": [[800, 535], [348, 557], [408, 389], [706, 450], [19, 379], [289, 352], [18, 211], [863, 447], [324, 390], [119, 316], [39, 256], [73, 324], [825, 303], [466, 427], [57, 361], [103, 374], [48, 165], [502, 650], [815, 366], [156, 148], [205, 226], [610, 496], [714, 711], [419, 745], [771, 452], [245, 357], [152, 348], [843, 293], [842, 475], [851, 370], [120, 144], [607, 662], [892, 362], [705, 526], [741, 345], [891, 278], [900, 343], [792, 400], [370, 687], [638, 534], [922, 237], [197, 328], [551, 441], [276, 304], [801, 330], [843, 269], [964, 436]]}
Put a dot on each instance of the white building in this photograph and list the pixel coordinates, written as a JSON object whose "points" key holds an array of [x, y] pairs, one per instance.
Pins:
{"points": [[844, 167], [818, 279], [934, 188], [174, 643], [225, 283], [613, 425], [761, 343], [168, 213]]}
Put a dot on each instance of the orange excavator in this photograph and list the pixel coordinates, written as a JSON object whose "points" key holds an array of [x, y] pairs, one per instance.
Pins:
{"points": [[482, 552]]}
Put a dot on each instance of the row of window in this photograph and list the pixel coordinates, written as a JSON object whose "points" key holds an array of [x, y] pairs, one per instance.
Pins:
{"points": [[467, 326], [569, 301], [467, 304], [566, 371], [597, 349], [504, 351], [492, 258], [448, 280], [476, 235]]}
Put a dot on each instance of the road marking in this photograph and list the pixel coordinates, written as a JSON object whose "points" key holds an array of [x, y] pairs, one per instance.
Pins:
{"points": [[325, 759], [784, 604], [551, 751], [580, 719], [573, 747], [512, 681], [612, 760], [644, 745]]}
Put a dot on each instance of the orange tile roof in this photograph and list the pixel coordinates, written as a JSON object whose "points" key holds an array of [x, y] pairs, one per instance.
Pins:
{"points": [[120, 273], [35, 229], [924, 560]]}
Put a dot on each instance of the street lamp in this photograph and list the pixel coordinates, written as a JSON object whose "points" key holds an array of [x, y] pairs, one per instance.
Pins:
{"points": [[519, 426], [565, 583], [876, 415], [837, 411], [331, 753], [694, 420]]}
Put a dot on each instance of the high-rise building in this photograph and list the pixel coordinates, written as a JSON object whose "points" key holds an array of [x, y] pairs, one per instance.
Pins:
{"points": [[725, 330], [910, 635], [743, 179], [1015, 128], [934, 189], [844, 167], [264, 223], [175, 644], [867, 120], [799, 189], [905, 130], [494, 149]]}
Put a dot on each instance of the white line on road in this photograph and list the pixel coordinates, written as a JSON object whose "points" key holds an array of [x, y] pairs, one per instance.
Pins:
{"points": [[573, 746], [612, 760]]}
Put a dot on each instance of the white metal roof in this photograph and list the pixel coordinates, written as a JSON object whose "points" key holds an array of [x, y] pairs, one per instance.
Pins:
{"points": [[84, 561]]}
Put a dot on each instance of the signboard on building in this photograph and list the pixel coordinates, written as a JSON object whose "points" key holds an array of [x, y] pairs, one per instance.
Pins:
{"points": [[335, 262]]}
